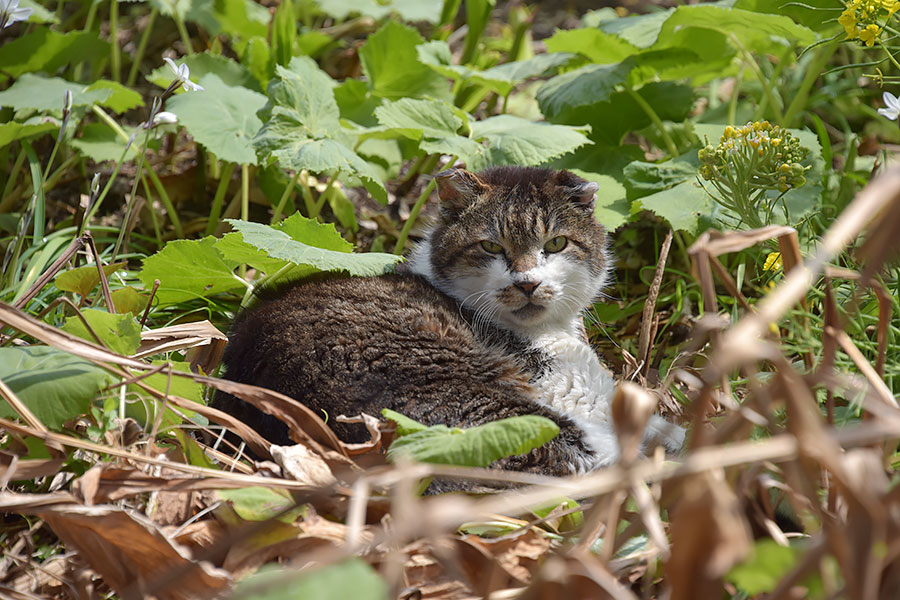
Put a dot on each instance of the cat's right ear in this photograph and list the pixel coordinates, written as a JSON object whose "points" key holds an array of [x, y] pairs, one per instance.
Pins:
{"points": [[457, 188]]}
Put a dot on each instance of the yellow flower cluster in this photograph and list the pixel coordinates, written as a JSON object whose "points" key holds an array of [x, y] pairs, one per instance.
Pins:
{"points": [[860, 18]]}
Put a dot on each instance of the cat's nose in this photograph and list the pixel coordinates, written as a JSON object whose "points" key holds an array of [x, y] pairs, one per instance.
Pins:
{"points": [[527, 287]]}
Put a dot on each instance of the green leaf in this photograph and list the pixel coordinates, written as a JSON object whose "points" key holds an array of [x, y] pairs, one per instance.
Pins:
{"points": [[40, 14], [645, 178], [477, 446], [605, 159], [640, 31], [189, 269], [356, 102], [46, 93], [239, 18], [261, 504], [176, 386], [352, 578], [200, 65], [121, 99], [257, 60], [83, 280], [765, 568], [517, 141], [682, 206], [300, 96], [415, 118], [119, 333], [100, 143], [222, 118], [392, 66], [12, 131], [55, 385], [588, 85], [611, 208], [129, 300], [596, 45], [408, 10], [47, 50], [278, 244], [405, 425]]}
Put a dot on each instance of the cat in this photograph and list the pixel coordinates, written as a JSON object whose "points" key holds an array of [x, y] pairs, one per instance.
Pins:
{"points": [[483, 323]]}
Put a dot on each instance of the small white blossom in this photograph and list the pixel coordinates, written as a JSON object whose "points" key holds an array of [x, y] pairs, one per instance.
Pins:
{"points": [[893, 106], [164, 118], [182, 76], [10, 13]]}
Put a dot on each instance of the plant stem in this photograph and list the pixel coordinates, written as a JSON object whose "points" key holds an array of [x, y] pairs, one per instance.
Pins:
{"points": [[182, 32], [813, 71], [215, 211], [92, 210], [88, 25], [5, 202], [245, 192], [142, 47], [323, 197], [104, 116], [414, 212], [307, 195], [735, 93], [115, 58], [766, 86], [276, 214], [167, 202], [37, 196], [156, 232], [648, 110]]}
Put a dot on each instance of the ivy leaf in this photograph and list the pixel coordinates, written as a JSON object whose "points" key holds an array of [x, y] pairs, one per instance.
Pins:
{"points": [[222, 118], [100, 143], [189, 269], [55, 385], [392, 66], [477, 446], [278, 244], [48, 50], [12, 131], [119, 333], [588, 85], [46, 93], [352, 578], [517, 141], [83, 280], [682, 206], [121, 99]]}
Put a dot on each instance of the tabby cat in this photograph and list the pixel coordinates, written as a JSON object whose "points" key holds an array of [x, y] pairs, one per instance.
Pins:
{"points": [[483, 323]]}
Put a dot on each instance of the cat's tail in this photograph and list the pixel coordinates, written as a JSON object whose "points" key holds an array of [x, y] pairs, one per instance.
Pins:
{"points": [[660, 432]]}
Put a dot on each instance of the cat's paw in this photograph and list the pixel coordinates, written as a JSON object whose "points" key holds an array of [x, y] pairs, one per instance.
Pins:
{"points": [[602, 443]]}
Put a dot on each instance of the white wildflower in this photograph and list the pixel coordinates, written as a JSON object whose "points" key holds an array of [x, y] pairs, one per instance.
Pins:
{"points": [[893, 106], [182, 76], [164, 118], [10, 13]]}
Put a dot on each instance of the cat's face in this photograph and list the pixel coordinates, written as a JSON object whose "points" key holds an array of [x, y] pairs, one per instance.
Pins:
{"points": [[518, 246]]}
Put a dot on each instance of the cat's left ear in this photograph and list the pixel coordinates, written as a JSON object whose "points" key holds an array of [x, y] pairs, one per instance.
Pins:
{"points": [[582, 194], [457, 188]]}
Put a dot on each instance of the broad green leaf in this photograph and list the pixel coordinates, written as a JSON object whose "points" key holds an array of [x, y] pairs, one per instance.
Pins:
{"points": [[477, 446], [176, 386], [121, 99], [682, 206], [817, 16], [300, 97], [765, 568], [596, 45], [601, 158], [119, 333], [408, 10], [641, 31], [516, 141], [352, 578], [47, 50], [644, 178], [356, 102], [240, 18], [55, 385], [100, 143], [611, 208], [200, 65], [222, 118], [588, 85], [129, 300], [12, 131], [405, 425], [261, 504], [46, 93], [40, 14], [189, 269], [83, 280], [257, 59], [383, 155], [278, 244], [390, 62], [415, 118]]}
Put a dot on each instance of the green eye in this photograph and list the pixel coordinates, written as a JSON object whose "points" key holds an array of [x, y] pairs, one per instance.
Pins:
{"points": [[492, 247], [556, 244]]}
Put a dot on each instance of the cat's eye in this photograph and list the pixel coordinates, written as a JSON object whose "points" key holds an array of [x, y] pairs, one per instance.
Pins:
{"points": [[492, 247], [556, 244]]}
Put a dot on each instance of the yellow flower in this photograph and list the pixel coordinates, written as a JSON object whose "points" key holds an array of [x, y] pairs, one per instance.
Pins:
{"points": [[848, 20], [869, 34], [773, 262]]}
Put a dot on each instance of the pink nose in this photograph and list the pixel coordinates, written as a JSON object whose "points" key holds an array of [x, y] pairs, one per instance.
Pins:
{"points": [[527, 287]]}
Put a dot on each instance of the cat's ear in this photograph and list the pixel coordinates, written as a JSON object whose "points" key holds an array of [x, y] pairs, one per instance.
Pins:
{"points": [[582, 193], [457, 188]]}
